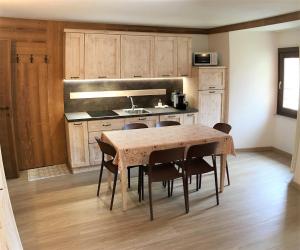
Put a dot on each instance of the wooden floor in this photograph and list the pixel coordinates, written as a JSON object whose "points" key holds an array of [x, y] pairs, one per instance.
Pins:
{"points": [[258, 211]]}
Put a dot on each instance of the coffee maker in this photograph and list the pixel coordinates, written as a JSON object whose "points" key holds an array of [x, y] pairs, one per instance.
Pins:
{"points": [[179, 100]]}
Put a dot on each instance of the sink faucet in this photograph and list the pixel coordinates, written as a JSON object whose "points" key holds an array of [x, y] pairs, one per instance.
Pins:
{"points": [[132, 104]]}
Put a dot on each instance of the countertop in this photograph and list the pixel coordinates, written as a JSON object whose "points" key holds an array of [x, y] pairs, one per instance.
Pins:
{"points": [[84, 116]]}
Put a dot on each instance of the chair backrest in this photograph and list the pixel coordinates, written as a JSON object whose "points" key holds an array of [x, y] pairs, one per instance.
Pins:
{"points": [[106, 148], [166, 155], [202, 150], [223, 127], [167, 123], [134, 126]]}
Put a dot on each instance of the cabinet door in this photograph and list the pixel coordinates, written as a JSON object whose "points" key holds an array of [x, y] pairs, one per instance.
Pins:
{"points": [[176, 118], [165, 56], [102, 56], [136, 56], [95, 154], [74, 56], [190, 119], [77, 140], [184, 56], [213, 78], [211, 107]]}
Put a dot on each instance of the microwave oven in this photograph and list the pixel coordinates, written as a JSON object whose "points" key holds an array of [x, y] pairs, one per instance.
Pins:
{"points": [[205, 59]]}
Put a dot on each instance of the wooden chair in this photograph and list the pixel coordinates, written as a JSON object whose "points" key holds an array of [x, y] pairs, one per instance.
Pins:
{"points": [[140, 174], [161, 167], [225, 128], [167, 123], [196, 165], [107, 150]]}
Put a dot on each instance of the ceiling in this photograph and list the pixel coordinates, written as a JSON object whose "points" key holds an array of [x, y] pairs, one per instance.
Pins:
{"points": [[177, 13]]}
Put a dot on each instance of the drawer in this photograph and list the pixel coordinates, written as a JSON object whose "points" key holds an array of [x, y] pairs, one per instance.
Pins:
{"points": [[175, 117], [104, 125], [150, 121]]}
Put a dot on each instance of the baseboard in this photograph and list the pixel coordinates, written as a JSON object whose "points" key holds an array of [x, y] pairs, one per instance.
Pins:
{"points": [[262, 149], [255, 149], [295, 185]]}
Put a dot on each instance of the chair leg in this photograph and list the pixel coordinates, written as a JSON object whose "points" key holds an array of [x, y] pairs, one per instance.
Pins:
{"points": [[216, 185], [190, 179], [140, 185], [200, 180], [100, 178], [197, 182], [227, 172], [164, 183], [169, 191], [172, 185], [150, 198], [186, 193], [128, 178], [113, 191]]}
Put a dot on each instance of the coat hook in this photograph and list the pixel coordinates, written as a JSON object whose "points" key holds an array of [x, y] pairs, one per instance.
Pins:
{"points": [[46, 59], [31, 58], [17, 58]]}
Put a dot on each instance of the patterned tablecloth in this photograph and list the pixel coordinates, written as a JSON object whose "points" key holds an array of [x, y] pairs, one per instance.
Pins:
{"points": [[135, 146]]}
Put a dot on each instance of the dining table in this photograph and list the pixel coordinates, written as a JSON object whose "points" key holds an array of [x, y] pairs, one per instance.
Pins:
{"points": [[133, 147]]}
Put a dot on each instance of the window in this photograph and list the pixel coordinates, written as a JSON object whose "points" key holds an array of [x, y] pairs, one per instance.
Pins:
{"points": [[288, 81]]}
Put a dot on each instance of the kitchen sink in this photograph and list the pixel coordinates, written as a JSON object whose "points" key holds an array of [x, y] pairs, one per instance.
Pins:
{"points": [[136, 111]]}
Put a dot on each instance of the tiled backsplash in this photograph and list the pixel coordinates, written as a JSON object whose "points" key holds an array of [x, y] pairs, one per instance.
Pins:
{"points": [[108, 103]]}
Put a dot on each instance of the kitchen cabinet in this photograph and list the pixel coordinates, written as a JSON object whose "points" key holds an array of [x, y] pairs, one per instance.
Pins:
{"points": [[102, 56], [211, 107], [184, 56], [150, 121], [210, 77], [77, 143], [74, 56], [165, 56], [95, 128], [175, 117], [136, 56], [190, 118]]}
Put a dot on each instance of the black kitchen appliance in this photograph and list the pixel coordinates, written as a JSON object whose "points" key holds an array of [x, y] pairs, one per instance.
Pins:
{"points": [[178, 100]]}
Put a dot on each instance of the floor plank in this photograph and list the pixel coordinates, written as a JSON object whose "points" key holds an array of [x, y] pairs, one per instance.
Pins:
{"points": [[258, 211]]}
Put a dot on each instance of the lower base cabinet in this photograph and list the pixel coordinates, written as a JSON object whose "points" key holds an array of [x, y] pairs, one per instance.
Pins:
{"points": [[84, 151], [77, 143]]}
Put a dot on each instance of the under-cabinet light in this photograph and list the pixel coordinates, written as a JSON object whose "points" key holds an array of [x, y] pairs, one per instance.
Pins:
{"points": [[116, 93]]}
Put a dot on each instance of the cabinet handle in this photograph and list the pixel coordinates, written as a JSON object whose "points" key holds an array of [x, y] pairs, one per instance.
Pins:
{"points": [[212, 87], [211, 92], [100, 77], [190, 114], [165, 75], [74, 77], [184, 75], [106, 125], [77, 124], [142, 119], [4, 108], [171, 116], [137, 76]]}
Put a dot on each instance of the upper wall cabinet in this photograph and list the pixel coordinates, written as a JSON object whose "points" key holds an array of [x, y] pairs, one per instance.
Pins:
{"points": [[210, 78], [136, 56], [165, 56], [74, 56], [184, 56], [102, 56]]}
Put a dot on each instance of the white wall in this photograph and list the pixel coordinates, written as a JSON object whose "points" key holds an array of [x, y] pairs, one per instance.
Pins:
{"points": [[284, 127], [252, 87]]}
